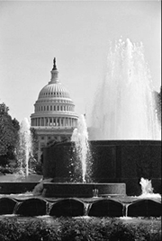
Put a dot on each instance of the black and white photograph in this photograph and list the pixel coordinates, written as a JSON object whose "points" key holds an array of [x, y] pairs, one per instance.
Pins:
{"points": [[80, 120]]}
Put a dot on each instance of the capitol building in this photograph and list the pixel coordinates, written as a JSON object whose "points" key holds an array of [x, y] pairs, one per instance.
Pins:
{"points": [[54, 118]]}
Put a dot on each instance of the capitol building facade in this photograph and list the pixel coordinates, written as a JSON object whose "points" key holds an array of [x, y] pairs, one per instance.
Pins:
{"points": [[54, 116]]}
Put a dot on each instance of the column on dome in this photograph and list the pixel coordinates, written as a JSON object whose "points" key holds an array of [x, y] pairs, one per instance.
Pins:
{"points": [[50, 121], [58, 121]]}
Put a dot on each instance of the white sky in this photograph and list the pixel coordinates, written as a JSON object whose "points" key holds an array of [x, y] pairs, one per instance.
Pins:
{"points": [[77, 33]]}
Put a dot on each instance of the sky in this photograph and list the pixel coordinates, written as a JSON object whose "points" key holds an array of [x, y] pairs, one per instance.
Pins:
{"points": [[77, 33]]}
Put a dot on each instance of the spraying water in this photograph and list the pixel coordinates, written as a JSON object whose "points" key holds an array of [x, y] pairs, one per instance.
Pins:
{"points": [[80, 138], [25, 145], [124, 106], [147, 189]]}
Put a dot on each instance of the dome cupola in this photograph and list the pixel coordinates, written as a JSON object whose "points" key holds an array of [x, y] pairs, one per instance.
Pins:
{"points": [[54, 105]]}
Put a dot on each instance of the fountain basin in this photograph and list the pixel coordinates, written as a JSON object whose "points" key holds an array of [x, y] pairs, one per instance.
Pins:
{"points": [[83, 189], [16, 187], [97, 207], [113, 161]]}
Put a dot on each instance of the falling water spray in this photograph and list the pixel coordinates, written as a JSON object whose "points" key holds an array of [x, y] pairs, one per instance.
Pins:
{"points": [[124, 108], [25, 145], [80, 138]]}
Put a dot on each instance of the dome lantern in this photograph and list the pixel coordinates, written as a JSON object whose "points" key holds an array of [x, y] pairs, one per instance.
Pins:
{"points": [[54, 73]]}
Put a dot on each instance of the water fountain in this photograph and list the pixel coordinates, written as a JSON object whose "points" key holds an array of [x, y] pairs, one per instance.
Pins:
{"points": [[124, 133], [20, 181], [124, 106], [127, 147], [78, 160], [82, 149], [25, 146]]}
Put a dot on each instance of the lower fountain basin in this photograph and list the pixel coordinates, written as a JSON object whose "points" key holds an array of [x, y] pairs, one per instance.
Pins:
{"points": [[16, 187], [83, 189]]}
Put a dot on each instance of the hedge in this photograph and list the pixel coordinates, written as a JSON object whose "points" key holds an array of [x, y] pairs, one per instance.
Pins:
{"points": [[70, 229]]}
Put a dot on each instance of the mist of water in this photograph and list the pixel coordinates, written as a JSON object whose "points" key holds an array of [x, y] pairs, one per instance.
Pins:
{"points": [[25, 146], [124, 105], [80, 138], [147, 189]]}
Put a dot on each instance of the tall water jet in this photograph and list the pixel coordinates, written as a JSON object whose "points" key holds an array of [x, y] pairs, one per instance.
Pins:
{"points": [[124, 108], [25, 146], [80, 138]]}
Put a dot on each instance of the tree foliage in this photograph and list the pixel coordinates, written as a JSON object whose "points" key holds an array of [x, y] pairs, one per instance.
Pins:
{"points": [[8, 134]]}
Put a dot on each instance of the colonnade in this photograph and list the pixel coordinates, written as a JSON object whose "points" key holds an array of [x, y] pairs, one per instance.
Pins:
{"points": [[54, 121], [54, 108]]}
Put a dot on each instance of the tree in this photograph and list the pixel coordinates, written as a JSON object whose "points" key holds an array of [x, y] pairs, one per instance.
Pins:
{"points": [[36, 165], [8, 135]]}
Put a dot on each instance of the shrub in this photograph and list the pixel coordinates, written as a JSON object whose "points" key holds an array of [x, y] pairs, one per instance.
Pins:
{"points": [[33, 230], [80, 229]]}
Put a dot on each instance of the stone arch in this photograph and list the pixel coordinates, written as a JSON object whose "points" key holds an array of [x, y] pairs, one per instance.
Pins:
{"points": [[7, 205], [67, 207], [107, 207], [31, 207], [145, 208]]}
